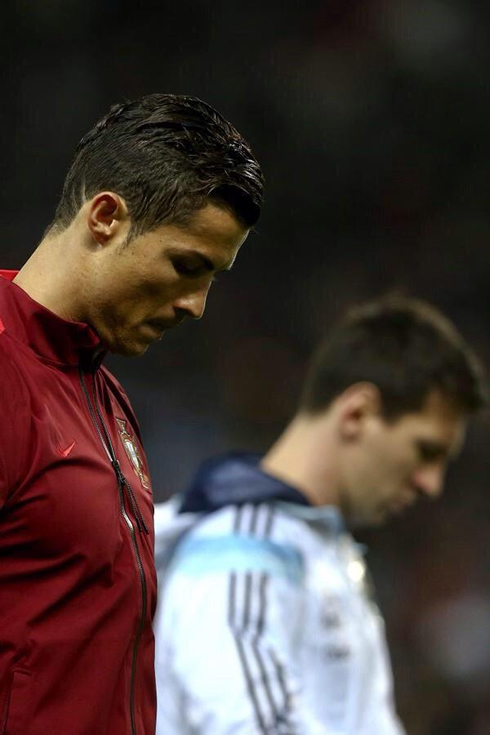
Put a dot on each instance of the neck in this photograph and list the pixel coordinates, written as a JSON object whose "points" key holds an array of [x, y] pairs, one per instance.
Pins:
{"points": [[53, 277], [305, 456]]}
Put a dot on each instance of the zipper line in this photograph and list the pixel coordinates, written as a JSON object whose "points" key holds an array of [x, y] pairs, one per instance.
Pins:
{"points": [[122, 483], [140, 521], [92, 413]]}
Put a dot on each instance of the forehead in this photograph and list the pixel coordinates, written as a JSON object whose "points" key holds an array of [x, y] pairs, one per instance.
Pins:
{"points": [[213, 219]]}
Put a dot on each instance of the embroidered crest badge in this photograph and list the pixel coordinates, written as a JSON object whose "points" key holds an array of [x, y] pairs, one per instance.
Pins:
{"points": [[133, 453]]}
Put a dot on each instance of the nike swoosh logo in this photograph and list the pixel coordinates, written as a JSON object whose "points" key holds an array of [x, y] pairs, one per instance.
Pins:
{"points": [[66, 452]]}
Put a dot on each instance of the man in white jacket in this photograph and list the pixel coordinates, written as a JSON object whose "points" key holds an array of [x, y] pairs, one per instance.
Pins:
{"points": [[265, 624]]}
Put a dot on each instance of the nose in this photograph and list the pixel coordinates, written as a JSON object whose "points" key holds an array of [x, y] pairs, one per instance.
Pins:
{"points": [[429, 480], [192, 304]]}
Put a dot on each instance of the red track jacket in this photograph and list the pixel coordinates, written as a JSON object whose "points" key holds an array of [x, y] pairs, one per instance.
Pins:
{"points": [[77, 580]]}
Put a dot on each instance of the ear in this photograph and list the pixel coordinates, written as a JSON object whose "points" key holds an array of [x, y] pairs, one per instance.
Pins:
{"points": [[107, 217], [355, 406]]}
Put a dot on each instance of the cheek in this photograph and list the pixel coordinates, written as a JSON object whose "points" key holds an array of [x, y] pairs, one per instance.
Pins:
{"points": [[146, 296], [390, 468], [400, 475], [369, 475]]}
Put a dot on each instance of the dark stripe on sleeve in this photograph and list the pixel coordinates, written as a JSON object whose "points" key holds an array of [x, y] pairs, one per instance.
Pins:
{"points": [[241, 653], [253, 520], [265, 680], [232, 600], [269, 521], [264, 580], [238, 518], [250, 685], [248, 601], [281, 678], [248, 635]]}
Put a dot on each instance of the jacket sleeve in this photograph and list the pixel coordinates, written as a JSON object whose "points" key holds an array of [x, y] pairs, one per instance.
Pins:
{"points": [[14, 410], [227, 636]]}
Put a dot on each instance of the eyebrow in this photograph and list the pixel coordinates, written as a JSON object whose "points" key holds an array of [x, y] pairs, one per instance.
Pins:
{"points": [[208, 263]]}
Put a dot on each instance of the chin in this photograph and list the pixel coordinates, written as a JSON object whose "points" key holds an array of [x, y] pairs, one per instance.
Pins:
{"points": [[132, 340], [379, 520], [128, 349], [370, 519], [134, 350]]}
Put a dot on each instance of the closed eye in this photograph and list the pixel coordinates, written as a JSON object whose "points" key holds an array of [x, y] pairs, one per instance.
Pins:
{"points": [[431, 451], [188, 268]]}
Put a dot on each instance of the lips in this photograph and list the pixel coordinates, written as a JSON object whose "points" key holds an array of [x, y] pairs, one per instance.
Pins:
{"points": [[153, 330], [403, 504], [163, 324], [160, 326]]}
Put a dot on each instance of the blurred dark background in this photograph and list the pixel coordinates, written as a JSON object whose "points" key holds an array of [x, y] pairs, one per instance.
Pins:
{"points": [[371, 121]]}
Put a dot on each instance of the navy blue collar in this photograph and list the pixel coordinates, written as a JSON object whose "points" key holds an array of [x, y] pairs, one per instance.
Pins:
{"points": [[236, 479]]}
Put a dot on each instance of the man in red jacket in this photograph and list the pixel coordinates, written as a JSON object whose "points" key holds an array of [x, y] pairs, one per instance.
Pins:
{"points": [[160, 196]]}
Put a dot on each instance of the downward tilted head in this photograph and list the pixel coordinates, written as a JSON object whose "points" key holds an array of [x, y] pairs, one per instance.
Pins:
{"points": [[391, 387], [160, 195], [167, 156]]}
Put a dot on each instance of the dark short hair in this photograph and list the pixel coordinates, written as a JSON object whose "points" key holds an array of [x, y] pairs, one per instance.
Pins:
{"points": [[404, 346], [166, 155]]}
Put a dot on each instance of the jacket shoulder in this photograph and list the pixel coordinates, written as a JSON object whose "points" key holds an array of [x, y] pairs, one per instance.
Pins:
{"points": [[259, 520], [245, 538], [12, 384], [15, 403]]}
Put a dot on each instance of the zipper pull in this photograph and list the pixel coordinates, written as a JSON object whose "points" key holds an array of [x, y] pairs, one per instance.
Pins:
{"points": [[126, 487], [140, 521], [122, 484]]}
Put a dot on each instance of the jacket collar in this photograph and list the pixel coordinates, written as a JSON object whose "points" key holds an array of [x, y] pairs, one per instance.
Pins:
{"points": [[235, 479], [325, 517], [51, 337]]}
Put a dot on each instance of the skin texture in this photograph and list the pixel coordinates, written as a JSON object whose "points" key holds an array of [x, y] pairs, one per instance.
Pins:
{"points": [[396, 464], [130, 292], [351, 457]]}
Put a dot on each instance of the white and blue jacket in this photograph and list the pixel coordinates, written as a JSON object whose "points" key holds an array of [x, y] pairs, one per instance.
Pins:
{"points": [[264, 623]]}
